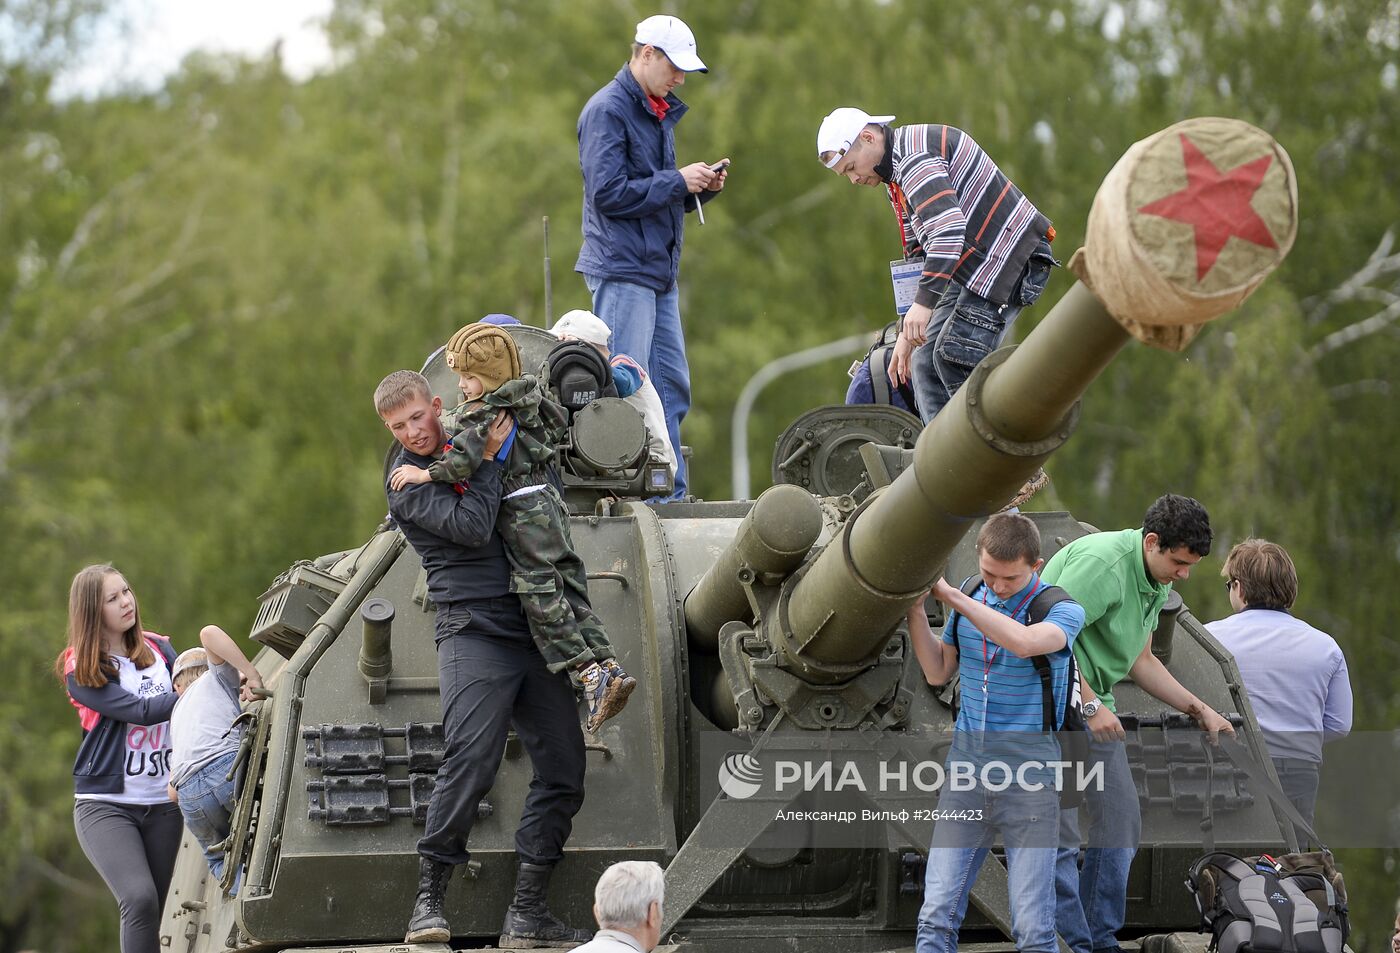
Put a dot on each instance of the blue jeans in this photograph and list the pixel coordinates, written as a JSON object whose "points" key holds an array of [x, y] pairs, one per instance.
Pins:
{"points": [[206, 801], [964, 328], [1091, 902], [646, 326], [1026, 820]]}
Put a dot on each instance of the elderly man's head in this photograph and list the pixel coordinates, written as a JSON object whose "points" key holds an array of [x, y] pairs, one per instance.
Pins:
{"points": [[628, 898]]}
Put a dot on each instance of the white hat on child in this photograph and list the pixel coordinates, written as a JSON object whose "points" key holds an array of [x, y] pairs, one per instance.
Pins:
{"points": [[584, 325], [189, 658]]}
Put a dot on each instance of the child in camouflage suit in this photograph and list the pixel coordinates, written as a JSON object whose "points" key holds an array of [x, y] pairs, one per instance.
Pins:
{"points": [[546, 572]]}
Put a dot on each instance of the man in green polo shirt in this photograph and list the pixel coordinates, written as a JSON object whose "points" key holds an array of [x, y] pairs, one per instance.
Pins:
{"points": [[1122, 580]]}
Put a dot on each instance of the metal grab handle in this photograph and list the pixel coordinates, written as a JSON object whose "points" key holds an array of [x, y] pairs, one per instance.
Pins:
{"points": [[609, 574]]}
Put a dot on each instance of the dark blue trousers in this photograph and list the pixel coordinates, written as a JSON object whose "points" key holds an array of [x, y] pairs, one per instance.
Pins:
{"points": [[492, 678]]}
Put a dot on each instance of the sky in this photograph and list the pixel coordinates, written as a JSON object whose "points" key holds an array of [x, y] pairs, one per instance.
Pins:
{"points": [[145, 40]]}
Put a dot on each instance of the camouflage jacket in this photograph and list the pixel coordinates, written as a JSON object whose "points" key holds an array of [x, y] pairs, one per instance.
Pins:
{"points": [[540, 424]]}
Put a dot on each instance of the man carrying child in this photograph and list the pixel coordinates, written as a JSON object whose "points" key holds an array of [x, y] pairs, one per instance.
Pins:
{"points": [[546, 572], [492, 676]]}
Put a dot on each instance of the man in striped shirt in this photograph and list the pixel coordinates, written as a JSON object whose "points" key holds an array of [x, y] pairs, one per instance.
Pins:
{"points": [[985, 247]]}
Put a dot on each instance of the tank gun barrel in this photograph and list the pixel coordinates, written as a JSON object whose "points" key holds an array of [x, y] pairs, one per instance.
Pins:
{"points": [[1018, 407]]}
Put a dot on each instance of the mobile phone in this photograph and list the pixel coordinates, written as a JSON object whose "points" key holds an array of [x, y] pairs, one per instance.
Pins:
{"points": [[720, 166]]}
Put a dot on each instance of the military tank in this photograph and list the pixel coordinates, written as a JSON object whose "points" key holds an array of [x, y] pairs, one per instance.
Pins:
{"points": [[763, 633]]}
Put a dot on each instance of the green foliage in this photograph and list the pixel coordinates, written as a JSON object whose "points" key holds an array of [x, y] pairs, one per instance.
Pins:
{"points": [[200, 287]]}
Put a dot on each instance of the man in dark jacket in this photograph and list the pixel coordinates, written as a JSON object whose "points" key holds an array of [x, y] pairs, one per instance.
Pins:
{"points": [[634, 202], [492, 678]]}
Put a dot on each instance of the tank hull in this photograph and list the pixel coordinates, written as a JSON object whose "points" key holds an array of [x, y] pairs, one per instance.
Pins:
{"points": [[313, 884]]}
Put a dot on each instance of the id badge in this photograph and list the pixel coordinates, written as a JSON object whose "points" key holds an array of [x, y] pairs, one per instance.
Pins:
{"points": [[904, 277]]}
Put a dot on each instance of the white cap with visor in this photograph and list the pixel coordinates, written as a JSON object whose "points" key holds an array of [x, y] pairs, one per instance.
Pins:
{"points": [[840, 130], [671, 36], [584, 325]]}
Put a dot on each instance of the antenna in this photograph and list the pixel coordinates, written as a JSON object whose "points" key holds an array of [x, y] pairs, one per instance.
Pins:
{"points": [[548, 284]]}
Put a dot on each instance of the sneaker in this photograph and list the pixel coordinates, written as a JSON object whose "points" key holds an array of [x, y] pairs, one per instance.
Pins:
{"points": [[611, 665], [626, 683], [605, 689]]}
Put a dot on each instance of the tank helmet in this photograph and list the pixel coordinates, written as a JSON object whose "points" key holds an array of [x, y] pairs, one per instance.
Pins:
{"points": [[486, 352], [578, 374]]}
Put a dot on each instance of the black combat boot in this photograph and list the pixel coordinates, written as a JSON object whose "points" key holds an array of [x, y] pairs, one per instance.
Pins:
{"points": [[427, 924], [529, 924]]}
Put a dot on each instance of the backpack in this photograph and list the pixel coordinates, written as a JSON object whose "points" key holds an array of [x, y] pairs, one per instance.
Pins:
{"points": [[1295, 903], [870, 382], [1068, 724]]}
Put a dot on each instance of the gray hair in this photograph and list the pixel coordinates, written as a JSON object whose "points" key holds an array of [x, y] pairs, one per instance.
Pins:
{"points": [[625, 893]]}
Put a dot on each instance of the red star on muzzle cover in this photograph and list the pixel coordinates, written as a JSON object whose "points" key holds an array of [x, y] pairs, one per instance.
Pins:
{"points": [[1216, 204]]}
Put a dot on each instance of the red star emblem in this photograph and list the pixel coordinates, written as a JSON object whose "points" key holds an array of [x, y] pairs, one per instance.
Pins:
{"points": [[1216, 204]]}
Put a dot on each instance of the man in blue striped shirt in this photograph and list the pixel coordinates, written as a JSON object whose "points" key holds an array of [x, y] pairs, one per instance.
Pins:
{"points": [[991, 644], [985, 247]]}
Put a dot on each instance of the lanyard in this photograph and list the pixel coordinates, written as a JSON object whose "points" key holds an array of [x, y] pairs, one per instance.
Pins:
{"points": [[987, 660], [900, 212]]}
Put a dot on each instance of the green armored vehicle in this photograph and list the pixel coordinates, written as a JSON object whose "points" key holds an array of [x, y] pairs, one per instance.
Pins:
{"points": [[763, 634]]}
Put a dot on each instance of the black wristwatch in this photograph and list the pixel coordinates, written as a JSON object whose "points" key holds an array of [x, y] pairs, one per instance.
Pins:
{"points": [[1091, 707]]}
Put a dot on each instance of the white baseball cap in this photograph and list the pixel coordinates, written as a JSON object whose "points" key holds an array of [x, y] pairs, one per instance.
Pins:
{"points": [[671, 36], [189, 659], [584, 325], [841, 128]]}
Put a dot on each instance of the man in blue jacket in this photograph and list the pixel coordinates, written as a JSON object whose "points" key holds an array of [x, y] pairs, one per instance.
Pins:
{"points": [[634, 202]]}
